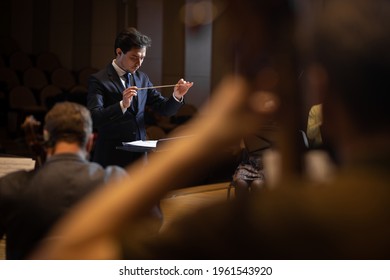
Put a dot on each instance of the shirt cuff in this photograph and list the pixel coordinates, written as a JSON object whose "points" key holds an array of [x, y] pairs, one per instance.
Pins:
{"points": [[123, 108], [178, 100]]}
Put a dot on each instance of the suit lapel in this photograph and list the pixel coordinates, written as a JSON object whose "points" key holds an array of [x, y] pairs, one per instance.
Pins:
{"points": [[114, 78], [137, 83]]}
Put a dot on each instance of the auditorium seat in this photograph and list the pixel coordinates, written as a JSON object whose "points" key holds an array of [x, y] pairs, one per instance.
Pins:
{"points": [[84, 75], [48, 62], [50, 95], [35, 79], [8, 79], [22, 103], [20, 61], [63, 78]]}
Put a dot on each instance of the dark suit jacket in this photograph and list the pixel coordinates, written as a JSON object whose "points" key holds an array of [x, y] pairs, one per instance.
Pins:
{"points": [[114, 127], [32, 201]]}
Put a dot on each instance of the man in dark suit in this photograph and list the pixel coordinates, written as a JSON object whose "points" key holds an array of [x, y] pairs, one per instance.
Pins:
{"points": [[32, 201], [118, 104]]}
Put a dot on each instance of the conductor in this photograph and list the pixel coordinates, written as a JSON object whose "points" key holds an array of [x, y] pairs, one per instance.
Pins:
{"points": [[117, 99]]}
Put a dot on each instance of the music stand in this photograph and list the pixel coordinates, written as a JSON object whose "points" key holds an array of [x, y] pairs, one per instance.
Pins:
{"points": [[139, 146], [145, 146]]}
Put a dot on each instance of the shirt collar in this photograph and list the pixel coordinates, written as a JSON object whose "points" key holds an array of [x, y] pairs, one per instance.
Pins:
{"points": [[118, 70]]}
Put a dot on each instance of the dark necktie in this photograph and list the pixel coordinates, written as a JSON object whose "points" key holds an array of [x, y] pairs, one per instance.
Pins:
{"points": [[129, 81]]}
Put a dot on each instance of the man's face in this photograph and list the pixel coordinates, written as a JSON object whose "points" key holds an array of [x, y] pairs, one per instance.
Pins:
{"points": [[132, 60]]}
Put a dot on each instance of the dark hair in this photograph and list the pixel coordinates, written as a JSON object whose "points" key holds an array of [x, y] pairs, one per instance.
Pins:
{"points": [[352, 42], [69, 122], [131, 38]]}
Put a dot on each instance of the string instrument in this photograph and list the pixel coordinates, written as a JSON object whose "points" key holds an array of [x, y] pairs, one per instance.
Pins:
{"points": [[34, 139]]}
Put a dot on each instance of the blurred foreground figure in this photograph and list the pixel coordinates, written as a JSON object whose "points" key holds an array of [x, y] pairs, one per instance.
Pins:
{"points": [[314, 123], [343, 219]]}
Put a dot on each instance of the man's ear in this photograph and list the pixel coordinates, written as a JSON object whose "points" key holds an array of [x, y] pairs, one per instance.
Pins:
{"points": [[46, 135], [118, 51], [90, 142]]}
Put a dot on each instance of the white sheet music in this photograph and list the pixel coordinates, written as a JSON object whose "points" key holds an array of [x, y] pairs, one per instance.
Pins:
{"points": [[140, 143], [11, 164]]}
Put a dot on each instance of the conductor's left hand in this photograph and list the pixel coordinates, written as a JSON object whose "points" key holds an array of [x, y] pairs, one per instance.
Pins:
{"points": [[182, 88]]}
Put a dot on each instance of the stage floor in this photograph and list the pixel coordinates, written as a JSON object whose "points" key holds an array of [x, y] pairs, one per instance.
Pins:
{"points": [[182, 201]]}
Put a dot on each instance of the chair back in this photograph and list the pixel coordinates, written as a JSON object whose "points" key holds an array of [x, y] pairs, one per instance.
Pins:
{"points": [[48, 94], [35, 79], [48, 62], [20, 61], [8, 79], [84, 75], [63, 78], [22, 98]]}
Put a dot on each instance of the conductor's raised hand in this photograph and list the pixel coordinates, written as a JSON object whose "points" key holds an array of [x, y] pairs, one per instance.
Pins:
{"points": [[182, 88], [127, 96]]}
